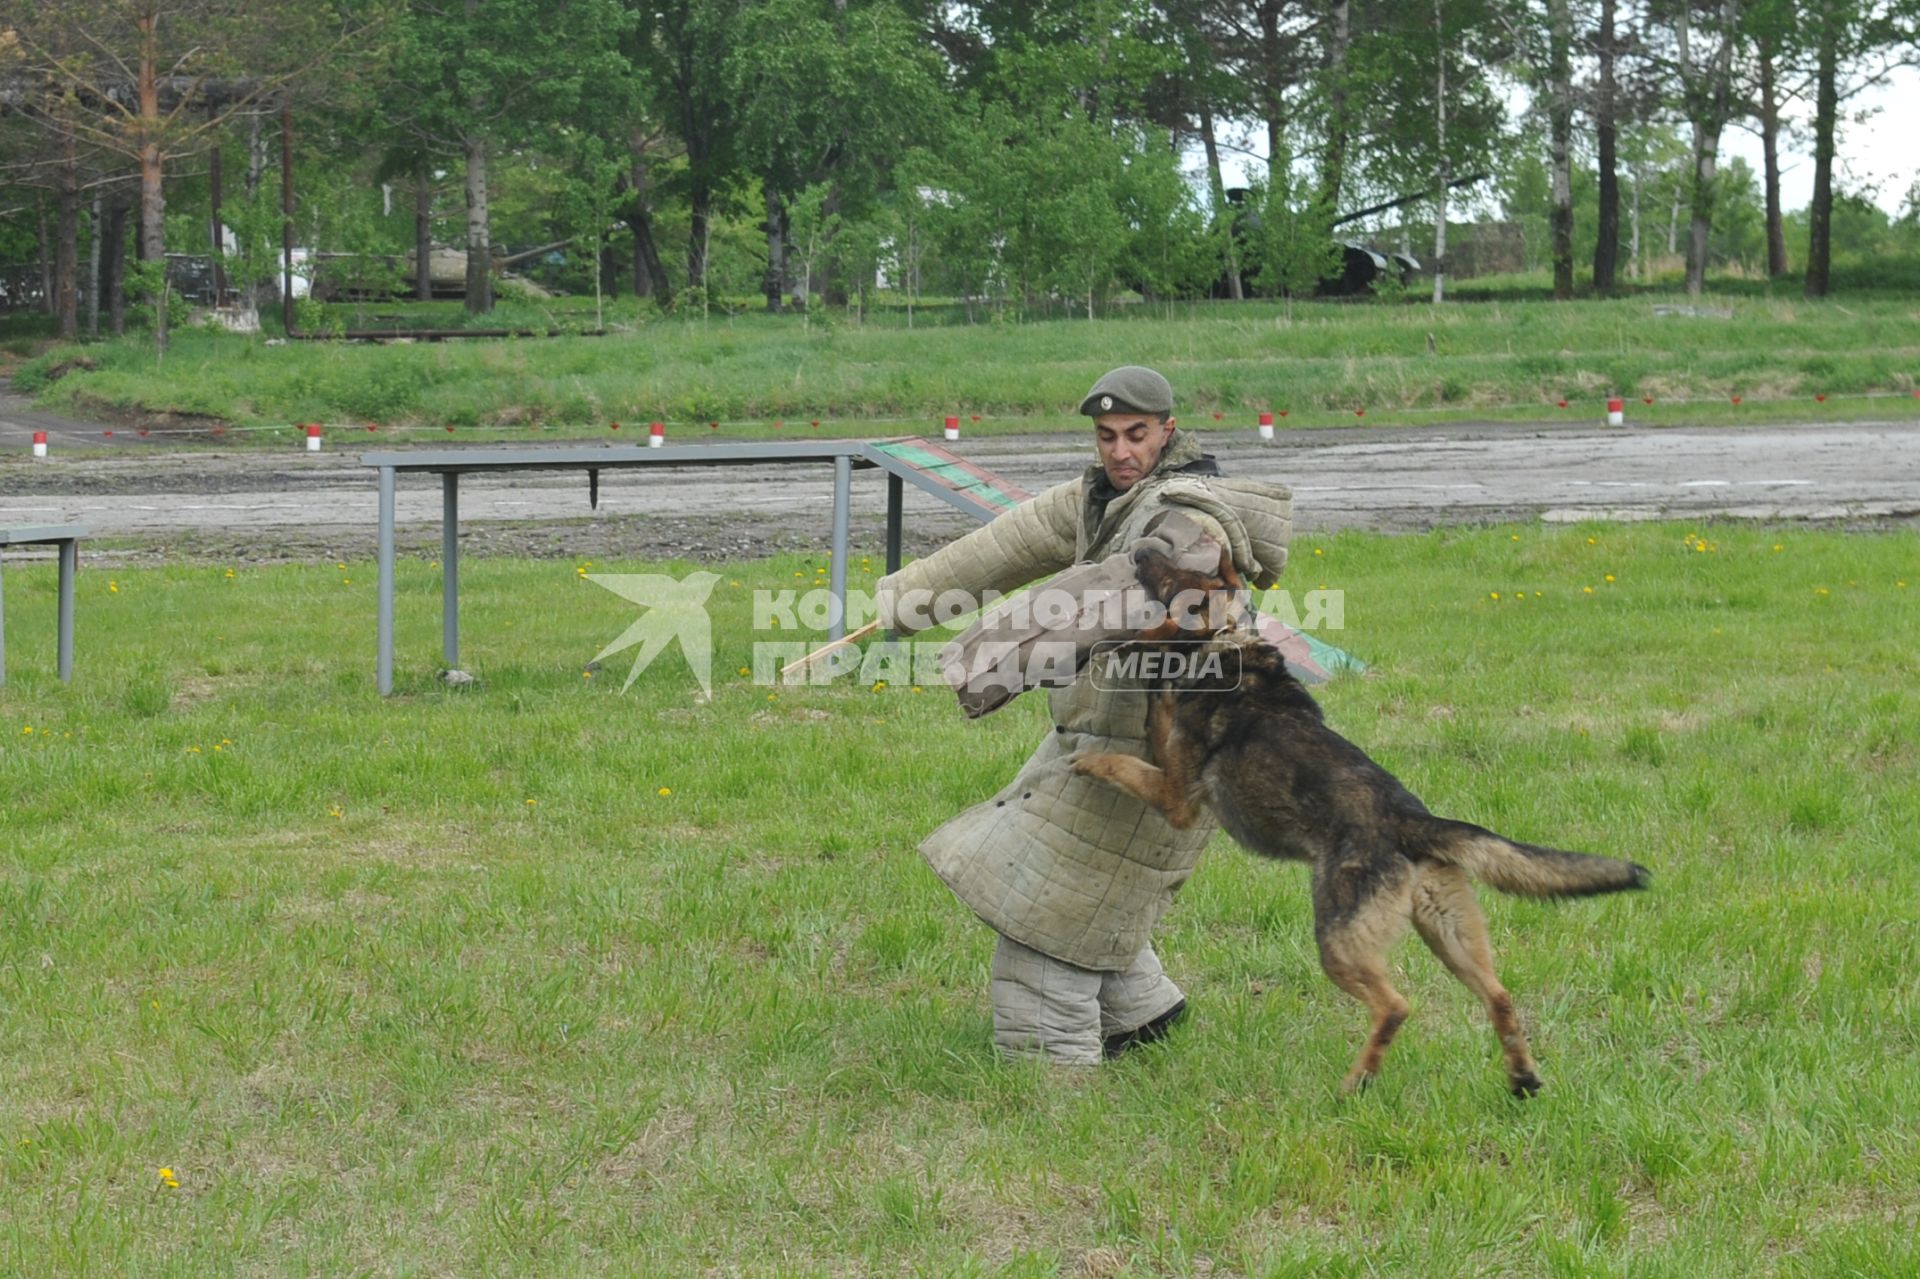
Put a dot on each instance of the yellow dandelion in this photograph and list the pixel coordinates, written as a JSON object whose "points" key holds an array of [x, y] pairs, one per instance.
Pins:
{"points": [[336, 812], [773, 697], [1587, 589], [586, 674], [226, 741], [1778, 547], [341, 565], [1593, 541], [664, 790], [1493, 595], [733, 583], [1609, 577], [229, 575], [1538, 594], [745, 670], [879, 684], [1318, 551], [168, 1180], [113, 588], [1516, 537], [1901, 584], [193, 750], [916, 687], [216, 747], [1821, 590], [26, 730], [532, 802]]}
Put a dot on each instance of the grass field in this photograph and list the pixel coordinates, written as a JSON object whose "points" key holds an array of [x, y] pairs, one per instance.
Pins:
{"points": [[1501, 359], [540, 978]]}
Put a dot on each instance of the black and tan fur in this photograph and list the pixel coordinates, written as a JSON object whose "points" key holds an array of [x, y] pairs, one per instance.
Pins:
{"points": [[1257, 753]]}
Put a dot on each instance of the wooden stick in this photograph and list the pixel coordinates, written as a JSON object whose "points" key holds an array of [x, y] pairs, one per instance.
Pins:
{"points": [[853, 637]]}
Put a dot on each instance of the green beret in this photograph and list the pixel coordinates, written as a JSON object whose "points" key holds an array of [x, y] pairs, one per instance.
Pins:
{"points": [[1129, 389]]}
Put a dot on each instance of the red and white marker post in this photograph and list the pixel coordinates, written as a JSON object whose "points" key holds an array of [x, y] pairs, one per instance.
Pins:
{"points": [[1616, 411], [1266, 426], [953, 428], [313, 437], [39, 443], [656, 435]]}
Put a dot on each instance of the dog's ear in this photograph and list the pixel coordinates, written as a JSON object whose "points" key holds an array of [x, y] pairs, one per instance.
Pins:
{"points": [[1229, 575]]}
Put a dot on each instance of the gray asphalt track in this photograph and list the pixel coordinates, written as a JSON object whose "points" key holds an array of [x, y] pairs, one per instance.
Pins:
{"points": [[1378, 478]]}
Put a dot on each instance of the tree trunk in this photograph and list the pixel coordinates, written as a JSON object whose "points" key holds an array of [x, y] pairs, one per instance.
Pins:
{"points": [[1770, 152], [1221, 209], [479, 231], [153, 207], [1706, 151], [775, 283], [1606, 245], [649, 273], [1560, 130], [1708, 91], [286, 218], [701, 211], [1826, 103], [113, 264], [216, 231], [1634, 245], [1272, 83], [260, 292], [66, 246], [423, 232], [46, 263], [93, 271], [1444, 173], [1333, 165]]}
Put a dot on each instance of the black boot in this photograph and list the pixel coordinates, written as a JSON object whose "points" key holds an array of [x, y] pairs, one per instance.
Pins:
{"points": [[1154, 1030]]}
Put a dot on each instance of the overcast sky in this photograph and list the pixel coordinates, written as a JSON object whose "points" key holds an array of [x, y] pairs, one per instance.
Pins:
{"points": [[1882, 151]]}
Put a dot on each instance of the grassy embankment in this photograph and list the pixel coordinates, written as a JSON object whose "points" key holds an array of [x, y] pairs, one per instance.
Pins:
{"points": [[541, 978], [1501, 359]]}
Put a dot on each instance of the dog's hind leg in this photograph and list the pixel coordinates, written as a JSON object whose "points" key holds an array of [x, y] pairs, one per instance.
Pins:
{"points": [[1449, 921], [1354, 943]]}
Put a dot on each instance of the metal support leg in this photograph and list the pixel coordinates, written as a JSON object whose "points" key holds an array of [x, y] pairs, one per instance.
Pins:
{"points": [[450, 568], [894, 490], [842, 502], [384, 676], [69, 566]]}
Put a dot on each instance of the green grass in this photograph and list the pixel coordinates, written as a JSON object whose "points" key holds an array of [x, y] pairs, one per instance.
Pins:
{"points": [[1495, 360], [447, 985]]}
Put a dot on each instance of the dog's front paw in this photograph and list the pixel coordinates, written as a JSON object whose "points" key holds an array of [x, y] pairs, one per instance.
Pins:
{"points": [[1092, 764]]}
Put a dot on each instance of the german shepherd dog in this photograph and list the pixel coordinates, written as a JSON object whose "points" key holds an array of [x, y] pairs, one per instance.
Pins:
{"points": [[1245, 740]]}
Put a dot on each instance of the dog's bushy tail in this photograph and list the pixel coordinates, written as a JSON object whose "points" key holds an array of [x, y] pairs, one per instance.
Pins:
{"points": [[1529, 869]]}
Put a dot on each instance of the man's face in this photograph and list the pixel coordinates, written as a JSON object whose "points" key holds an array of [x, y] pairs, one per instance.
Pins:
{"points": [[1130, 444]]}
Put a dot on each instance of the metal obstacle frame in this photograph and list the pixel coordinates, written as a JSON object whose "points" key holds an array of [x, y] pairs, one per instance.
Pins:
{"points": [[927, 466]]}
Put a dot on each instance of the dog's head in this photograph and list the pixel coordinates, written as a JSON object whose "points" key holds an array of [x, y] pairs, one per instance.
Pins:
{"points": [[1198, 587]]}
